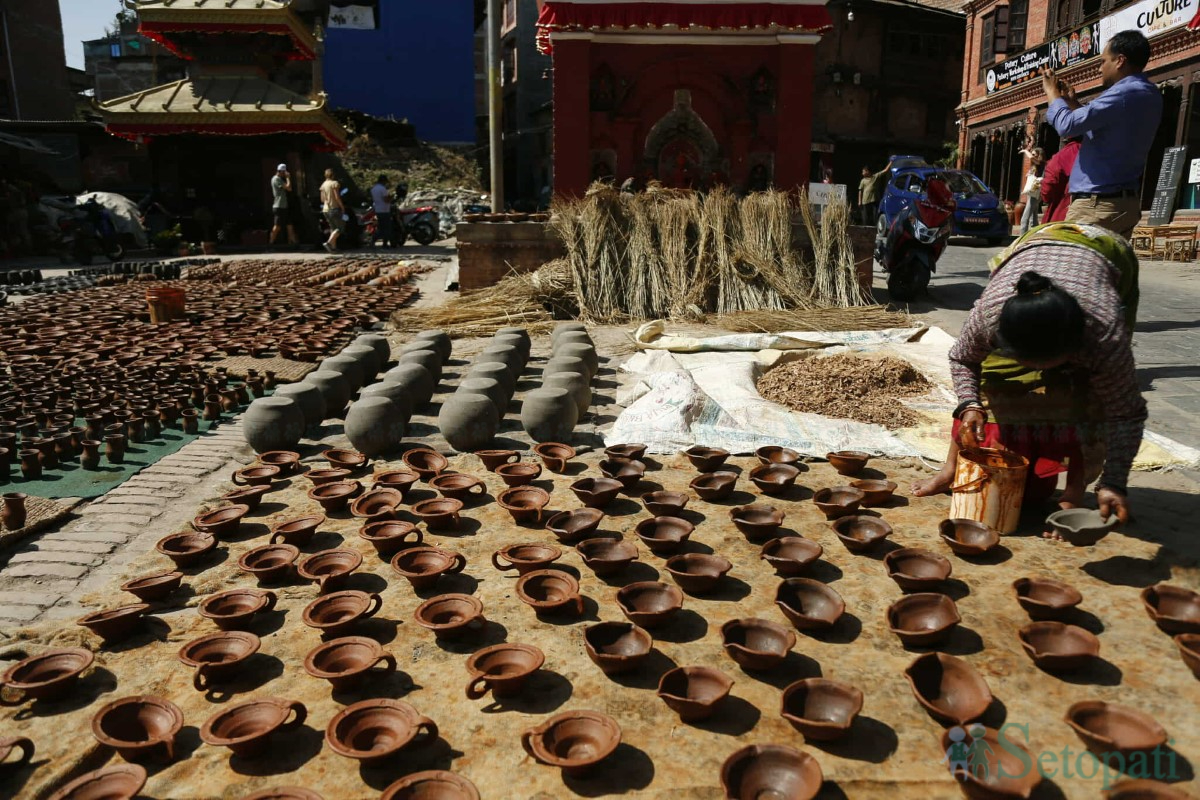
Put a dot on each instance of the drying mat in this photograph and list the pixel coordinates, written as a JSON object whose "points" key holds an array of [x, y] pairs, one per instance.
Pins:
{"points": [[40, 513], [285, 369]]}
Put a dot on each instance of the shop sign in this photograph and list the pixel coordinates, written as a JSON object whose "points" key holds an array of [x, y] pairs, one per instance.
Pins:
{"points": [[1150, 17], [1066, 51]]}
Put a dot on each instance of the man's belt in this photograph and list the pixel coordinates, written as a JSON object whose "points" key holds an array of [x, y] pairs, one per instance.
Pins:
{"points": [[1105, 195]]}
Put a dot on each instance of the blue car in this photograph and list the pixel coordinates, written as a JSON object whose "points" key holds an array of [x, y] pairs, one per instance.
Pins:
{"points": [[978, 211]]}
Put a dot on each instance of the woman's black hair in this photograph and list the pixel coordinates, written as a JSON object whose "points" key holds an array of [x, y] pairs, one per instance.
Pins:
{"points": [[1041, 322]]}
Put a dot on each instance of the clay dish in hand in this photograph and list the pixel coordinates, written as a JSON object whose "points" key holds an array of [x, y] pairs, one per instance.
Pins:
{"points": [[649, 603], [875, 493], [1082, 527], [297, 531], [706, 459], [153, 587], [757, 644], [634, 452], [774, 454], [432, 785], [791, 555], [917, 570], [923, 619], [664, 535], [118, 782], [1108, 727], [46, 676], [1044, 598], [1056, 646], [575, 741], [451, 616], [1006, 777], [714, 486], [848, 462], [502, 669], [821, 709], [966, 537], [838, 501], [218, 656], [596, 492], [573, 526], [809, 604], [771, 770], [861, 533], [774, 479], [139, 727], [115, 624], [616, 647], [549, 591], [555, 455], [694, 692], [697, 573], [664, 504], [519, 474], [524, 503], [1173, 608], [950, 689], [525, 558], [756, 522], [607, 556]]}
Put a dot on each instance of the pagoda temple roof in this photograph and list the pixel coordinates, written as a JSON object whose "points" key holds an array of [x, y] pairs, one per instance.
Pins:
{"points": [[229, 105], [162, 20]]}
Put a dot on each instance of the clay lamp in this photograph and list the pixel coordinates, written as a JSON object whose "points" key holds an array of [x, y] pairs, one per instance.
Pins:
{"points": [[549, 591], [706, 459], [596, 492], [246, 727], [697, 573], [47, 676], [757, 644], [664, 504], [149, 588], [346, 661], [756, 522], [821, 709], [118, 782], [1056, 646], [966, 537], [1189, 651], [451, 616], [875, 492], [950, 689], [502, 669], [221, 523], [287, 461], [607, 556], [1108, 727], [628, 472], [284, 793], [431, 785], [397, 480], [714, 486], [694, 692], [457, 486], [186, 548], [235, 609], [115, 624], [1144, 789], [525, 558], [272, 563], [256, 476], [848, 462], [320, 477], [555, 455], [375, 731], [1044, 598], [390, 536], [1003, 773], [377, 505], [633, 452], [664, 535], [330, 569], [771, 770], [791, 555], [838, 501], [218, 657], [345, 459], [424, 564], [860, 533], [297, 531], [923, 619], [335, 496], [524, 503], [649, 604], [809, 605], [774, 479], [1173, 608], [519, 474], [1081, 527], [425, 462], [917, 570], [336, 613], [774, 454], [574, 741], [616, 647], [440, 513], [139, 727], [492, 459], [250, 497]]}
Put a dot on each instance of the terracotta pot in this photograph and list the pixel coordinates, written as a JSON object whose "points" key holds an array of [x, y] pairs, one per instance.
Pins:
{"points": [[1112, 728], [628, 472], [706, 459], [549, 591], [1056, 646], [89, 456], [212, 407], [153, 587], [607, 556], [114, 449], [596, 492], [329, 569], [31, 464], [762, 770], [822, 710], [186, 549], [757, 522], [47, 676], [235, 609], [401, 482], [441, 514], [375, 425], [967, 537], [791, 555], [838, 501], [950, 689], [555, 455], [649, 604], [616, 647], [432, 785], [346, 661], [139, 727], [694, 692], [1044, 598], [375, 731], [451, 616], [875, 493], [1189, 651], [336, 614], [1174, 609], [502, 669], [848, 462], [425, 462], [809, 604], [468, 421], [424, 564], [115, 624], [664, 504], [390, 536], [288, 461], [757, 644], [774, 479], [320, 477], [697, 573], [923, 619], [13, 514], [664, 535], [250, 497], [334, 497], [457, 486], [284, 793], [221, 523], [272, 563], [861, 533], [1005, 777], [246, 727], [495, 458], [260, 475], [1143, 789], [11, 743], [525, 558], [118, 782], [575, 741], [524, 503], [519, 474], [218, 656], [377, 505]]}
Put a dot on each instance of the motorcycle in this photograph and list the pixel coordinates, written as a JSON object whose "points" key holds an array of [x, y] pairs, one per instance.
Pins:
{"points": [[910, 248], [422, 224]]}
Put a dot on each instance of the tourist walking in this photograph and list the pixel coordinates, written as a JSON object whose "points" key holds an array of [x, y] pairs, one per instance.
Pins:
{"points": [[1056, 198], [381, 202], [281, 184], [870, 189], [333, 208], [1032, 190]]}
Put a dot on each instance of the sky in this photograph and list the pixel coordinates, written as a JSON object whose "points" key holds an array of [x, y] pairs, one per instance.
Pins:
{"points": [[84, 19]]}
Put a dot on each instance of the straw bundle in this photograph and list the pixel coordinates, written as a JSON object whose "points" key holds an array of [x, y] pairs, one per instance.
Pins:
{"points": [[858, 318]]}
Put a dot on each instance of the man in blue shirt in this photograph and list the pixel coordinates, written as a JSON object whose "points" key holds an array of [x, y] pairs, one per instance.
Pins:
{"points": [[1117, 127]]}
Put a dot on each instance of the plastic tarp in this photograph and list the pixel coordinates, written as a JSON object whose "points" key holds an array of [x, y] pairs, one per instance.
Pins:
{"points": [[125, 213]]}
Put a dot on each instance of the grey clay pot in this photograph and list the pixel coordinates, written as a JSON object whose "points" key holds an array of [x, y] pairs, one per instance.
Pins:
{"points": [[366, 356], [374, 425], [415, 379], [395, 392], [334, 387], [430, 359], [348, 367], [565, 364], [309, 398], [572, 337], [576, 384], [381, 345], [490, 388], [512, 340], [468, 421], [497, 372], [440, 340], [583, 351], [503, 354], [564, 327], [549, 415], [273, 423]]}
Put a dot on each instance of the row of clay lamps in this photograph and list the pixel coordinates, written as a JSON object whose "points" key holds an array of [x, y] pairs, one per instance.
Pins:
{"points": [[470, 418], [303, 273], [551, 412]]}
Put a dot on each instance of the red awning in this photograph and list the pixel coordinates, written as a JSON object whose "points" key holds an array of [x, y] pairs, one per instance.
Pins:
{"points": [[149, 131], [161, 32], [560, 15]]}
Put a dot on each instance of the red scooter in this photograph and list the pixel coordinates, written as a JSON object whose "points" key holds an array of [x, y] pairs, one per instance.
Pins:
{"points": [[916, 240]]}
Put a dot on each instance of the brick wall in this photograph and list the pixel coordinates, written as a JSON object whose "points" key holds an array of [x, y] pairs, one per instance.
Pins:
{"points": [[38, 85], [489, 252]]}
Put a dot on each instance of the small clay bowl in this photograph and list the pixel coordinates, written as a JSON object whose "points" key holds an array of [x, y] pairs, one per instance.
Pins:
{"points": [[575, 741], [694, 692], [1082, 527], [425, 462], [492, 459], [297, 531], [526, 558], [838, 501], [330, 569], [848, 462], [422, 565], [616, 647], [774, 454], [521, 474], [757, 522], [186, 548], [923, 619], [523, 503], [574, 526], [1044, 598], [1173, 608], [713, 486], [336, 614], [861, 533], [808, 604], [967, 537], [139, 727], [1108, 727], [46, 676], [149, 588], [596, 492], [334, 497], [439, 514], [607, 556], [320, 477], [396, 480], [950, 689], [347, 660], [649, 604], [375, 731], [451, 616], [222, 522], [555, 455], [115, 624], [457, 486], [388, 537], [625, 470], [1144, 789], [697, 573], [218, 656], [772, 770], [235, 609], [549, 591], [664, 504], [502, 669], [757, 644], [791, 555], [431, 784], [1189, 651], [1058, 647], [821, 709], [377, 505], [345, 459], [261, 475], [774, 479], [664, 535], [250, 497], [271, 563], [246, 728], [118, 782], [917, 570], [634, 452], [706, 459], [875, 493], [287, 461], [1002, 773]]}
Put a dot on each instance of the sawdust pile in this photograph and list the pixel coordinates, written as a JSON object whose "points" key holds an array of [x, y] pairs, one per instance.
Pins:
{"points": [[847, 387]]}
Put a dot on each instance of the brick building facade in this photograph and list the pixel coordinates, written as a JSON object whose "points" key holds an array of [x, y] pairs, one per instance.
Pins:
{"points": [[34, 84]]}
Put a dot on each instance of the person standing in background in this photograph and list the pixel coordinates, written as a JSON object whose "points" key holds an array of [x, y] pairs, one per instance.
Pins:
{"points": [[868, 197], [382, 204], [281, 184], [1032, 191], [1055, 198], [333, 208]]}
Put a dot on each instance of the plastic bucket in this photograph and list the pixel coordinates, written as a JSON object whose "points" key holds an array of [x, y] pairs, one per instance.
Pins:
{"points": [[989, 485], [166, 303]]}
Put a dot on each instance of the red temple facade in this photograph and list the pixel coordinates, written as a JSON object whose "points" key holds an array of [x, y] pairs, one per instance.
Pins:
{"points": [[691, 93]]}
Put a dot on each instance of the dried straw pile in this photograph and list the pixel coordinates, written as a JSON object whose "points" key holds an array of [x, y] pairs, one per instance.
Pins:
{"points": [[848, 387]]}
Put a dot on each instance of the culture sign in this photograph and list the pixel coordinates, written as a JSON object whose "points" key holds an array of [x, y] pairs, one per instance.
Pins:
{"points": [[1066, 51]]}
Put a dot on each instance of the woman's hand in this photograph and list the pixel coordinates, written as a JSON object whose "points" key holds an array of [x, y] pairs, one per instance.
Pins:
{"points": [[1113, 502], [971, 433]]}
